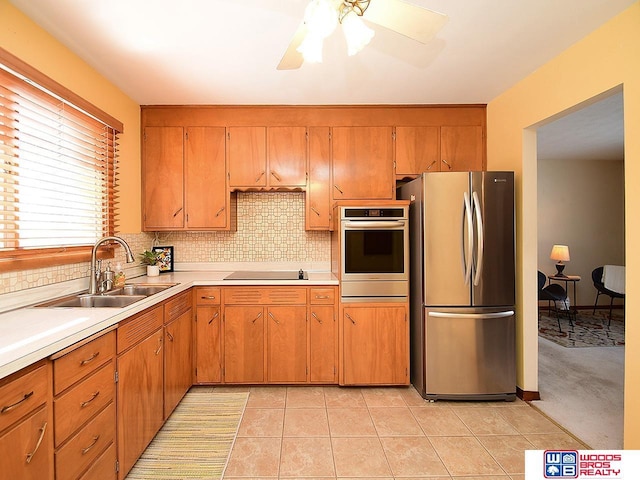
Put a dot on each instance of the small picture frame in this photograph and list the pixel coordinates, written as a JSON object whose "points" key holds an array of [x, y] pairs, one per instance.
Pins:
{"points": [[166, 258]]}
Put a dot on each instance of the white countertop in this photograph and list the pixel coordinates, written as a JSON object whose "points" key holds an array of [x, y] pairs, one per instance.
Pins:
{"points": [[30, 334]]}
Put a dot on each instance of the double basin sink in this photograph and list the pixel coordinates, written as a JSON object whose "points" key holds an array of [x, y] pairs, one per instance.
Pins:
{"points": [[118, 297]]}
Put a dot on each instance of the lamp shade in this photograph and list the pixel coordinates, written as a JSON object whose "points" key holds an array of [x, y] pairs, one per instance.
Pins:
{"points": [[560, 253]]}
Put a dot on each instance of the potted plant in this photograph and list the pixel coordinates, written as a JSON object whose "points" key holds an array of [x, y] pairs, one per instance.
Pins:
{"points": [[151, 259]]}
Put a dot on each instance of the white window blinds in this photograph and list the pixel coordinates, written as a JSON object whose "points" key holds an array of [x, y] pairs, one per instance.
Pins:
{"points": [[57, 169]]}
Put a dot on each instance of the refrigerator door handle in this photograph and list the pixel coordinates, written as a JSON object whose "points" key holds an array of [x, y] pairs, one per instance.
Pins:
{"points": [[507, 313], [467, 248], [480, 239]]}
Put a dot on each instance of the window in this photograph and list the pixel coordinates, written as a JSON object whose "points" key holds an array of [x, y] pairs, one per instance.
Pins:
{"points": [[57, 170]]}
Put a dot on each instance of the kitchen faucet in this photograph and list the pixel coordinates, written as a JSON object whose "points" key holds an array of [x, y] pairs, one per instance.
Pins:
{"points": [[94, 277]]}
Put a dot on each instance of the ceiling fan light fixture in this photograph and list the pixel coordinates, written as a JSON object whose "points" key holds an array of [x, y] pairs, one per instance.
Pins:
{"points": [[311, 48], [358, 35]]}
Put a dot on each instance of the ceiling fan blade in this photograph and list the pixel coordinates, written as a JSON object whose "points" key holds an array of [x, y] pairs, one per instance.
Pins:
{"points": [[292, 58], [418, 23]]}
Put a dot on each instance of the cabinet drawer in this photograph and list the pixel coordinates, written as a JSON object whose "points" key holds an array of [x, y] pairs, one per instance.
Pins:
{"points": [[18, 397], [265, 296], [208, 296], [322, 296], [135, 329], [29, 439], [83, 401], [82, 361], [177, 306], [104, 468], [83, 448]]}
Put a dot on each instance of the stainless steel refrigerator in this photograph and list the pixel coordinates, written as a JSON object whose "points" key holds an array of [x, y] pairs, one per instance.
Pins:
{"points": [[462, 249]]}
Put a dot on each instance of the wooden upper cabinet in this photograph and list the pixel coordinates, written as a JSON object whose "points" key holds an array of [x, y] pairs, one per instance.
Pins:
{"points": [[435, 149], [417, 150], [363, 163], [247, 150], [461, 148], [287, 156], [207, 199], [163, 178], [273, 157], [318, 202]]}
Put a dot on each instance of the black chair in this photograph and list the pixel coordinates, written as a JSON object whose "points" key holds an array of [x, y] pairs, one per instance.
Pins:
{"points": [[596, 276], [553, 292]]}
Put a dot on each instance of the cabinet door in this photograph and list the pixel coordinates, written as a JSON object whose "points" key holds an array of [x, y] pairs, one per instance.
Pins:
{"points": [[375, 345], [208, 329], [363, 163], [163, 178], [461, 148], [287, 344], [247, 157], [318, 201], [243, 344], [205, 178], [417, 150], [287, 156], [323, 341], [140, 398], [177, 361], [27, 448]]}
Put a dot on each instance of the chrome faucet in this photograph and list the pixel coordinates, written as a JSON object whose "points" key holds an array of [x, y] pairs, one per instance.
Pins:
{"points": [[94, 277]]}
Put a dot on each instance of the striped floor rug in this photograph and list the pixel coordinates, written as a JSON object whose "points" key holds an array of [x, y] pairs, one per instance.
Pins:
{"points": [[196, 440]]}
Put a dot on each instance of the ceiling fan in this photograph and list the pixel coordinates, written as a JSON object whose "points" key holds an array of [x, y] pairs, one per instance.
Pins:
{"points": [[322, 17]]}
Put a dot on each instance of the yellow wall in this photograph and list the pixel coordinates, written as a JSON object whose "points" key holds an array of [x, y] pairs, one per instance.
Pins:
{"points": [[607, 59], [27, 41]]}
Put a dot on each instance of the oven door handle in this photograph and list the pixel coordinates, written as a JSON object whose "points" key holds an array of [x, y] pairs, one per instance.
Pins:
{"points": [[392, 225]]}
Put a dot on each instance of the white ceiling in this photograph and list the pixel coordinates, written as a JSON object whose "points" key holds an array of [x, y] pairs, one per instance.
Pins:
{"points": [[226, 51]]}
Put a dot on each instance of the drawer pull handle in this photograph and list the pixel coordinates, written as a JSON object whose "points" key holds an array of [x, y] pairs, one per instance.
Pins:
{"points": [[259, 177], [275, 175], [208, 297], [90, 359], [322, 297], [338, 188], [169, 335], [159, 346], [87, 402], [313, 314], [257, 317], [349, 317], [93, 444], [42, 430], [219, 212], [214, 317], [315, 211], [446, 163], [431, 165], [177, 212], [8, 408], [274, 318]]}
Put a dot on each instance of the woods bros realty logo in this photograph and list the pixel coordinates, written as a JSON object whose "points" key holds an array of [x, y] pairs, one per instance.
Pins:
{"points": [[583, 464]]}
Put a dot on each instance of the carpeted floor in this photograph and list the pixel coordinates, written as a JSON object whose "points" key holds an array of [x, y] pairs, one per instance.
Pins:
{"points": [[196, 440], [587, 330]]}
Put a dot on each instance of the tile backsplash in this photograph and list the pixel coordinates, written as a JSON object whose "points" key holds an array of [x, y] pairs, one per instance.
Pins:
{"points": [[270, 229]]}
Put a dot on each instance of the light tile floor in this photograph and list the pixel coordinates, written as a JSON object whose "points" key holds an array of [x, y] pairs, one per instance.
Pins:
{"points": [[315, 433]]}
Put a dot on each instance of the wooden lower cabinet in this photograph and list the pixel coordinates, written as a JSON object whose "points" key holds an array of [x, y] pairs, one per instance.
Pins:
{"points": [[27, 448], [375, 349], [177, 361], [286, 344], [208, 336], [244, 344], [323, 344], [140, 398]]}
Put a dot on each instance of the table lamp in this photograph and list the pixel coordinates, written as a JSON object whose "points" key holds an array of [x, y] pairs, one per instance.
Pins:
{"points": [[560, 253]]}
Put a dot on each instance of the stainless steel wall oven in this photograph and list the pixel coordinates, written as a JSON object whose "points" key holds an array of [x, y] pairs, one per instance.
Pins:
{"points": [[374, 258]]}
